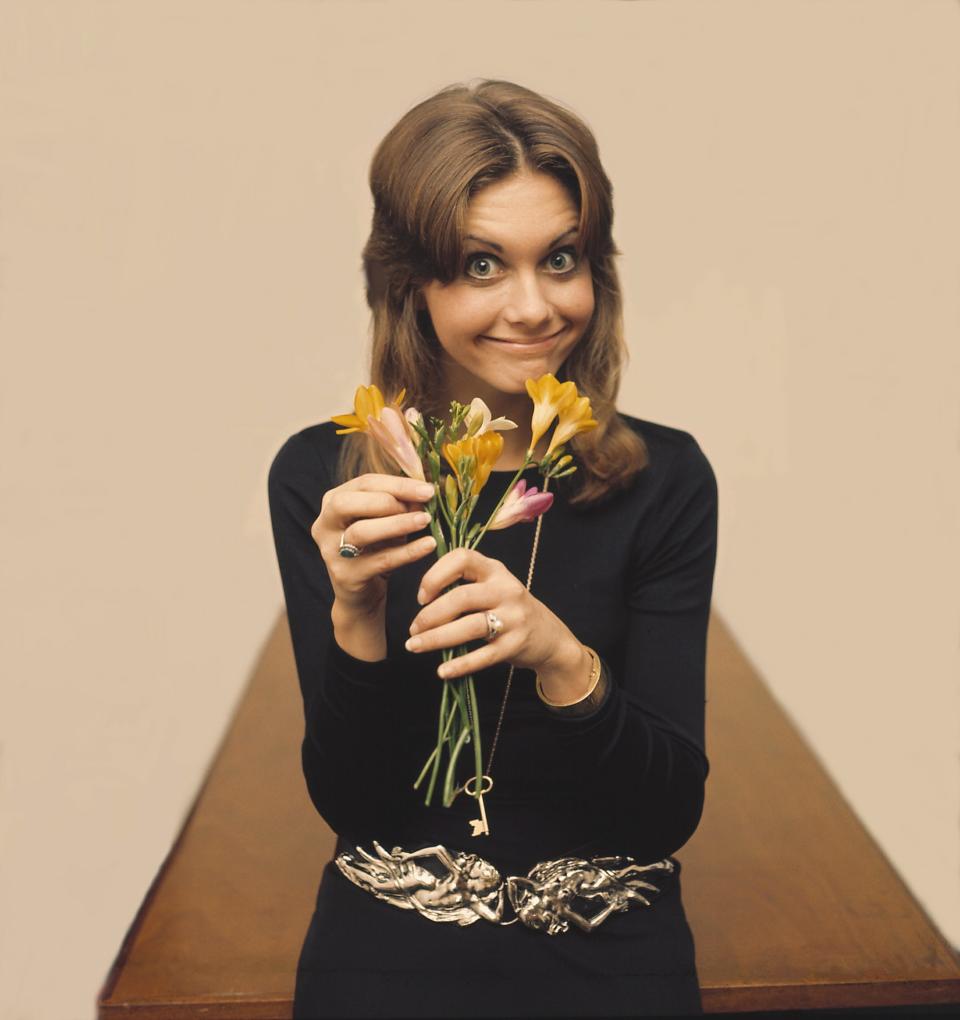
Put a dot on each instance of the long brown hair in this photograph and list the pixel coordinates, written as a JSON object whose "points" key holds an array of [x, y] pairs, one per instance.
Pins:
{"points": [[422, 176]]}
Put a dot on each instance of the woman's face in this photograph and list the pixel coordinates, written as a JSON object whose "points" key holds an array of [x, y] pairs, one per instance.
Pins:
{"points": [[524, 296]]}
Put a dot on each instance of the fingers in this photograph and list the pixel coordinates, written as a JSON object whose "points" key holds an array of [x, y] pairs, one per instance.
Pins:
{"points": [[400, 486], [385, 561], [449, 635], [370, 509], [458, 615], [376, 513], [374, 498], [352, 576], [465, 563], [455, 603], [365, 533], [452, 635], [489, 655]]}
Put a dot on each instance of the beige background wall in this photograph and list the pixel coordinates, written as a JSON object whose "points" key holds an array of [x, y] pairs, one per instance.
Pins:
{"points": [[182, 209]]}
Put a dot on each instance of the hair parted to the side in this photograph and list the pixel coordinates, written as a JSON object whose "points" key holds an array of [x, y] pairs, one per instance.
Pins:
{"points": [[422, 176]]}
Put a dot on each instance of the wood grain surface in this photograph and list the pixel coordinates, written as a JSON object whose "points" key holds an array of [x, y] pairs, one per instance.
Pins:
{"points": [[792, 904]]}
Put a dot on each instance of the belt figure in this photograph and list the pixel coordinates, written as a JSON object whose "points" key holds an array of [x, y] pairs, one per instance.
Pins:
{"points": [[465, 888]]}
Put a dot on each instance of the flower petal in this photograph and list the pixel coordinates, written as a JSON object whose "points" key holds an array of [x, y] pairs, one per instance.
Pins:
{"points": [[477, 418], [521, 504], [489, 446], [392, 433], [550, 397], [574, 419], [367, 403]]}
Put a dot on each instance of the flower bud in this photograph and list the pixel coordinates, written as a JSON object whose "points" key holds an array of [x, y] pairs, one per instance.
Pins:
{"points": [[450, 491]]}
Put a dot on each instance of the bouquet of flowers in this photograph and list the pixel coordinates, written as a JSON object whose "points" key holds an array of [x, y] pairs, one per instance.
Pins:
{"points": [[470, 442]]}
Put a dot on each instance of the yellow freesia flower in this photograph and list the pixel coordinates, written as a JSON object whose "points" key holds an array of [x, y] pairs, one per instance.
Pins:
{"points": [[574, 418], [549, 397], [485, 450], [368, 402]]}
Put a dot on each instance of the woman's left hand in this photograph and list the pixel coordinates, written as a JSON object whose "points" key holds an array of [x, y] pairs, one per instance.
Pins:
{"points": [[532, 637]]}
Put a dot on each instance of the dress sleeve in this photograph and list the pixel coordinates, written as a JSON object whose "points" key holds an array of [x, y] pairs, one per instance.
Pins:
{"points": [[350, 746], [638, 763]]}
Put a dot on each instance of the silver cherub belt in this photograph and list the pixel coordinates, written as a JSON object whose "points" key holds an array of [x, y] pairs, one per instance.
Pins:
{"points": [[465, 888]]}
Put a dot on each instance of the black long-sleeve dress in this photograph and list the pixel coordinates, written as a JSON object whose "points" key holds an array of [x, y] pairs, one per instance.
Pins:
{"points": [[633, 579]]}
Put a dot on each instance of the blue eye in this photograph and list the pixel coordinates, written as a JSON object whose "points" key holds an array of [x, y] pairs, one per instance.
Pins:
{"points": [[570, 253], [479, 259]]}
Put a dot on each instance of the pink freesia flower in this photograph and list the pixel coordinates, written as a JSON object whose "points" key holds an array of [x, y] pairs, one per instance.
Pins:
{"points": [[392, 433], [521, 505]]}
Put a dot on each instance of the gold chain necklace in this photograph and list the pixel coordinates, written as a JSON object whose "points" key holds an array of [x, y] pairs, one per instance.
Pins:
{"points": [[479, 825]]}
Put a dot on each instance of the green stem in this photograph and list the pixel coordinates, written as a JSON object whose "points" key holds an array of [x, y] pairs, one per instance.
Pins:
{"points": [[448, 792], [437, 531], [463, 687], [442, 503], [477, 756], [446, 720], [458, 693]]}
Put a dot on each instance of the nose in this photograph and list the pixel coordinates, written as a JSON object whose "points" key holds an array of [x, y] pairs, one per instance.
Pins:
{"points": [[527, 306]]}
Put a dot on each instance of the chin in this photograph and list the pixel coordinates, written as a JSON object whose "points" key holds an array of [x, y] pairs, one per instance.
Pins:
{"points": [[513, 377]]}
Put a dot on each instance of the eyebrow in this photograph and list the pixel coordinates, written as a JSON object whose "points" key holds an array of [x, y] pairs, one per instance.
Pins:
{"points": [[493, 244]]}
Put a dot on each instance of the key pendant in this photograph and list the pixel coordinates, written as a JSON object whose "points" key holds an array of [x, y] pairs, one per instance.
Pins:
{"points": [[480, 826]]}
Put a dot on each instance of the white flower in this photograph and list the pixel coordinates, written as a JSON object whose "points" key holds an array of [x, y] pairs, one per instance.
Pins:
{"points": [[478, 420], [413, 416]]}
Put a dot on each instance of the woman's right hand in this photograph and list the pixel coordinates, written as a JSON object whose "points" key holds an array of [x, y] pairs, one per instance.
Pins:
{"points": [[375, 512]]}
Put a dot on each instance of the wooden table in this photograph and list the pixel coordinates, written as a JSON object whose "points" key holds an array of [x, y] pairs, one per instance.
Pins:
{"points": [[792, 904]]}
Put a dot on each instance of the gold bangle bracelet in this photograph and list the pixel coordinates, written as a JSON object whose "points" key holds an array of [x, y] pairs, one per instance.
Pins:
{"points": [[594, 680]]}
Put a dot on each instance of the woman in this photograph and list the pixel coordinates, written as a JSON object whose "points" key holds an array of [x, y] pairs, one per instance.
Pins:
{"points": [[490, 262]]}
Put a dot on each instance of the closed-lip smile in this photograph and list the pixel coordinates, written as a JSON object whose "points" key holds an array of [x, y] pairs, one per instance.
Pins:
{"points": [[527, 343]]}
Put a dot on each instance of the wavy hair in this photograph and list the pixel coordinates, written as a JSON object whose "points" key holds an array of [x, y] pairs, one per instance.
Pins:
{"points": [[422, 176]]}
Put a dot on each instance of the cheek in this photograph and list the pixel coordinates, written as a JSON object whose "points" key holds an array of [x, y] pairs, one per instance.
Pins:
{"points": [[580, 300], [461, 313]]}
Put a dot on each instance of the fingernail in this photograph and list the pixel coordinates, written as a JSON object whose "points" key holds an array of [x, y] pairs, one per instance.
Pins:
{"points": [[421, 596], [413, 644], [423, 518], [425, 490]]}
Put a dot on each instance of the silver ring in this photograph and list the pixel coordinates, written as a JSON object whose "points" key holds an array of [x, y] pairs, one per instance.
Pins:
{"points": [[348, 550], [494, 625]]}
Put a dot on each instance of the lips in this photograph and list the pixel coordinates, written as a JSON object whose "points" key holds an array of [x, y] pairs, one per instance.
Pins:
{"points": [[532, 345]]}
